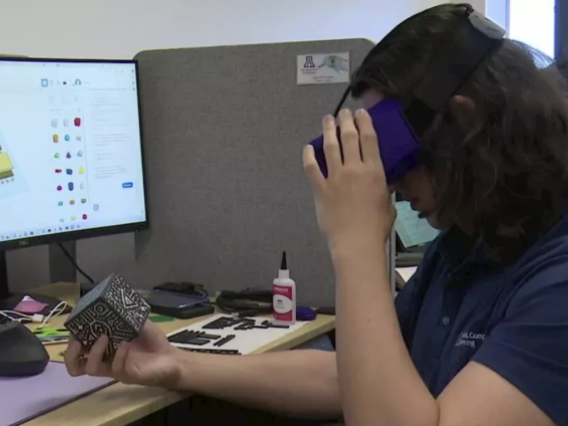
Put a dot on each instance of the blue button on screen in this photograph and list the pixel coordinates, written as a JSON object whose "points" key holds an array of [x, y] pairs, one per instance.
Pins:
{"points": [[127, 185]]}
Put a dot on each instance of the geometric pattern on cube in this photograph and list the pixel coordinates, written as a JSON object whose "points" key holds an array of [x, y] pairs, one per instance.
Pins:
{"points": [[113, 308]]}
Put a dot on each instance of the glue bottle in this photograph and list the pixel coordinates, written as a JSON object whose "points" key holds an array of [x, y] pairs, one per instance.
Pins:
{"points": [[284, 296]]}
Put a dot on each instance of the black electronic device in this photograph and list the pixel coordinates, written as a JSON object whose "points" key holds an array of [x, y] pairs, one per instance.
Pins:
{"points": [[177, 305], [21, 352], [54, 114], [186, 288]]}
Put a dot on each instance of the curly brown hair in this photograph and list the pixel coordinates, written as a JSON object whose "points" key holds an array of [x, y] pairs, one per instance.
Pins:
{"points": [[502, 178]]}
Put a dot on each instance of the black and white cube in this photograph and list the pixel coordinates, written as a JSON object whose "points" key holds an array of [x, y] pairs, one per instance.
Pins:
{"points": [[113, 308]]}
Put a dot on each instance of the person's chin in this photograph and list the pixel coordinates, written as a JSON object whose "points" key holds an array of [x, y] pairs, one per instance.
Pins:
{"points": [[432, 219]]}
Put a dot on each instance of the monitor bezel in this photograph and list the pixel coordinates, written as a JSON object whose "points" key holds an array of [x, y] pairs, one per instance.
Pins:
{"points": [[94, 232]]}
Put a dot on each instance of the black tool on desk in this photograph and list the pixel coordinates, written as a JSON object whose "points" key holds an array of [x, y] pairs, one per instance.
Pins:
{"points": [[224, 340], [21, 352], [222, 323], [247, 302], [190, 337], [238, 323]]}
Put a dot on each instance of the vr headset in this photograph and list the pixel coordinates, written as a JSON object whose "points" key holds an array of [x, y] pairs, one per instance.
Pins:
{"points": [[400, 127]]}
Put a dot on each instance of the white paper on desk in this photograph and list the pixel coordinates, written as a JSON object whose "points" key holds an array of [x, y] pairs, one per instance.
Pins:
{"points": [[246, 341]]}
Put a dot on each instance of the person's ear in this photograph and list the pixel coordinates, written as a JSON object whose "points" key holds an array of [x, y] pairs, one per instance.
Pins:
{"points": [[463, 110]]}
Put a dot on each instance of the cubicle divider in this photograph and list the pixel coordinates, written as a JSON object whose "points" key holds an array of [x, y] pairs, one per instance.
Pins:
{"points": [[224, 129]]}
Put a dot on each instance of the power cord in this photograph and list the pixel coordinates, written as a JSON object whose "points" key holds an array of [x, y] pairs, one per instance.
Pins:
{"points": [[42, 320], [74, 263]]}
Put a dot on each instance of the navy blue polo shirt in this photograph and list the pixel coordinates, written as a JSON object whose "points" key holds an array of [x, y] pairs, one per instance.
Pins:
{"points": [[513, 320]]}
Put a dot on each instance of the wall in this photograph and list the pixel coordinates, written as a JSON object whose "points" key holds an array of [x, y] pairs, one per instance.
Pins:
{"points": [[120, 29], [110, 28], [498, 11], [533, 23]]}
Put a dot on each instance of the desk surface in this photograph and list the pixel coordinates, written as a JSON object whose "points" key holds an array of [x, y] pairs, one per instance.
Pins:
{"points": [[121, 404]]}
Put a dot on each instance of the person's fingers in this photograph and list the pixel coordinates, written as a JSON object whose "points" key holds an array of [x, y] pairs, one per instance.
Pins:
{"points": [[151, 337], [119, 361], [331, 146], [312, 168], [349, 138], [368, 138], [95, 365], [74, 361]]}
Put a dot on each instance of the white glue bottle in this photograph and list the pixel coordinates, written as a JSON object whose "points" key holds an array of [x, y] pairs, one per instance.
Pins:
{"points": [[284, 296]]}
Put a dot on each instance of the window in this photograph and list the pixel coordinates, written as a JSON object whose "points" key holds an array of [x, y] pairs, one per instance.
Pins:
{"points": [[532, 22]]}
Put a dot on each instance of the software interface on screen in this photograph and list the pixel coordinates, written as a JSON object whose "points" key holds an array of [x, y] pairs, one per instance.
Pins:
{"points": [[70, 150]]}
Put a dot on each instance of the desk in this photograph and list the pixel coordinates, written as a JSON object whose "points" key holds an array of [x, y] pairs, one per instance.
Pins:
{"points": [[120, 404]]}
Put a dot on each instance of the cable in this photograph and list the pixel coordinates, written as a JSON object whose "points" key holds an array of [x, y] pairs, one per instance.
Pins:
{"points": [[20, 317], [42, 320], [55, 312], [74, 263]]}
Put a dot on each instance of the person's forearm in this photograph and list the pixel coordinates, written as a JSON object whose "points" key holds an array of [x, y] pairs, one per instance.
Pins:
{"points": [[300, 383], [378, 381]]}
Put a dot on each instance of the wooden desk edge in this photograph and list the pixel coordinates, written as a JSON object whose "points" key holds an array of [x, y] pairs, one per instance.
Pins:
{"points": [[152, 400]]}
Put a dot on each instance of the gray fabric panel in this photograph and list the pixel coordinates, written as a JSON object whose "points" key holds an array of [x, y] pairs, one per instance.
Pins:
{"points": [[224, 129], [27, 268]]}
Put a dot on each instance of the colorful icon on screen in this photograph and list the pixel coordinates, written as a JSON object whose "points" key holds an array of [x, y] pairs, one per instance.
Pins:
{"points": [[84, 217], [81, 170], [71, 186], [60, 203], [69, 171], [58, 171], [72, 202], [96, 207], [73, 217], [83, 200], [54, 122], [67, 138], [68, 155], [77, 122], [59, 188], [57, 155], [55, 138], [79, 153]]}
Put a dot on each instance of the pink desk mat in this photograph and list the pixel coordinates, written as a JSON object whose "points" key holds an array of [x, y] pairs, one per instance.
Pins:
{"points": [[24, 399]]}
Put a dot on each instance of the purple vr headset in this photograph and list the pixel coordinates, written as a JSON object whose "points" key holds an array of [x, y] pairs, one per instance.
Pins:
{"points": [[400, 127]]}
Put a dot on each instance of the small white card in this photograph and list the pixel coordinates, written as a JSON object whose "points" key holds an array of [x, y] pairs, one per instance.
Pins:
{"points": [[323, 68]]}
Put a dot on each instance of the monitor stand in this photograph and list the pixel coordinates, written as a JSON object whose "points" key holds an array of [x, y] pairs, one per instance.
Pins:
{"points": [[9, 300], [4, 289]]}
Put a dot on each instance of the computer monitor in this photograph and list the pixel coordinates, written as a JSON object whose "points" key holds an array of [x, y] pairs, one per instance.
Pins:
{"points": [[71, 159], [413, 233]]}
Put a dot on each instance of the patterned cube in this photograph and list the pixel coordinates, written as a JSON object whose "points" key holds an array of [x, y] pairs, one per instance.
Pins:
{"points": [[112, 308]]}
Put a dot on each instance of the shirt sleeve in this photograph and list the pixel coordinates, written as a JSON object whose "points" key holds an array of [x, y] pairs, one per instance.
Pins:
{"points": [[529, 346]]}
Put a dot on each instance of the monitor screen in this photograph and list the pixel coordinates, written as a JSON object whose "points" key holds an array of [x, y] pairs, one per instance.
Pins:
{"points": [[411, 230], [71, 163]]}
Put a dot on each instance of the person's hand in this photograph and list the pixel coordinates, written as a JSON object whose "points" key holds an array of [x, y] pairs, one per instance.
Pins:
{"points": [[353, 204], [147, 360]]}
